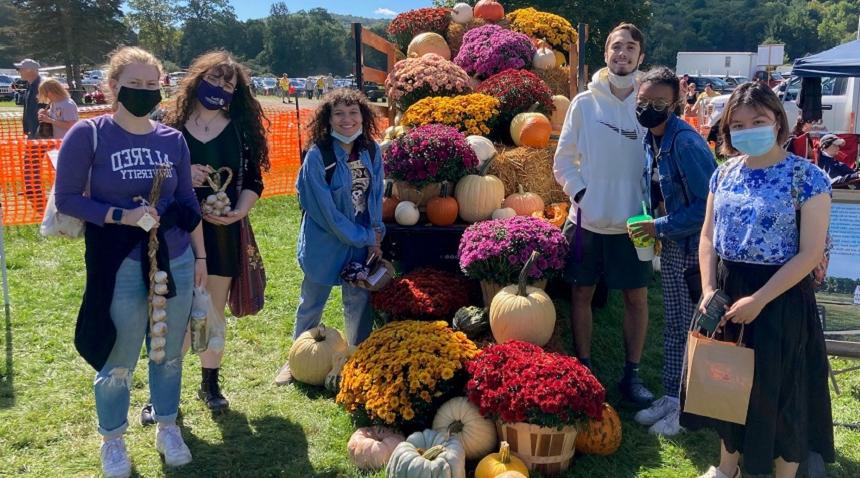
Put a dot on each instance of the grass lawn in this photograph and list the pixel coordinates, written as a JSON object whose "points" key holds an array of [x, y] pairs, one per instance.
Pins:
{"points": [[8, 104], [47, 417]]}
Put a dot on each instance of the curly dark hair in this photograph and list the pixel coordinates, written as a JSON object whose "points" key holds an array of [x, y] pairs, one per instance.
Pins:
{"points": [[320, 124], [245, 111]]}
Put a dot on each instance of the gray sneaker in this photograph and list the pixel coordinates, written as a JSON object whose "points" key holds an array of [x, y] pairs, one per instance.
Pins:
{"points": [[169, 443], [284, 376], [115, 462]]}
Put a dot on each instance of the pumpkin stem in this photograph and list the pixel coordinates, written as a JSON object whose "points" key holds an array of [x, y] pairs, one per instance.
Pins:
{"points": [[524, 274], [482, 171], [455, 427], [445, 190], [534, 107], [318, 333], [504, 453], [520, 187], [433, 452]]}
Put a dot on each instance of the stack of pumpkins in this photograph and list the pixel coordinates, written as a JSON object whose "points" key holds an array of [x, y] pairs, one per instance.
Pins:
{"points": [[480, 196]]}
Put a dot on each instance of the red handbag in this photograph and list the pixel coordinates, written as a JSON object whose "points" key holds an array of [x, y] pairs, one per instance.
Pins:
{"points": [[247, 291]]}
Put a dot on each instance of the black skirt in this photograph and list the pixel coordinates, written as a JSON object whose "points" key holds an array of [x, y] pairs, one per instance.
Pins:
{"points": [[789, 410]]}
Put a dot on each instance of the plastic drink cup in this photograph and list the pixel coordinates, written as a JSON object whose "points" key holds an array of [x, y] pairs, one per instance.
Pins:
{"points": [[644, 246]]}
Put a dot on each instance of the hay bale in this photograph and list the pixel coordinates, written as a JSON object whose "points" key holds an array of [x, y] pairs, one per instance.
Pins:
{"points": [[558, 79], [530, 167], [456, 32]]}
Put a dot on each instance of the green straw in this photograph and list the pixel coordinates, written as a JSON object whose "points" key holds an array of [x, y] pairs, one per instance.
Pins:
{"points": [[644, 209]]}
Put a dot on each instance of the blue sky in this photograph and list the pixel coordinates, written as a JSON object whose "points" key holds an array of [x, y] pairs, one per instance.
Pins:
{"points": [[246, 9]]}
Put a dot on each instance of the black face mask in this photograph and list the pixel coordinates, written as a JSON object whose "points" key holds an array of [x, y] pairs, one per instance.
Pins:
{"points": [[650, 117], [691, 99], [139, 102]]}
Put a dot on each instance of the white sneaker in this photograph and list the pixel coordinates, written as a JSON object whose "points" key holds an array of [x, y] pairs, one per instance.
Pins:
{"points": [[659, 409], [714, 472], [668, 426], [115, 462], [168, 442]]}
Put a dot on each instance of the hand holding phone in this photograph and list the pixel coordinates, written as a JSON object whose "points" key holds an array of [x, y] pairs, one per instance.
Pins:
{"points": [[715, 308]]}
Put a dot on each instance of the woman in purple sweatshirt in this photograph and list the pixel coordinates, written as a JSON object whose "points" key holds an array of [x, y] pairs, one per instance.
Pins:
{"points": [[119, 154]]}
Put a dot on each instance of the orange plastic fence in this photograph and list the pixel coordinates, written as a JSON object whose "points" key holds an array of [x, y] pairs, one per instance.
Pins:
{"points": [[26, 173]]}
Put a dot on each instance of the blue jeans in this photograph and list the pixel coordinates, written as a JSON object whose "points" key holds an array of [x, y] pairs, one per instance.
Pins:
{"points": [[129, 313], [356, 310]]}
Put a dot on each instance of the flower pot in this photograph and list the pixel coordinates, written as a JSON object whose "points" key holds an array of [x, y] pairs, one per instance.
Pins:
{"points": [[490, 289], [407, 192], [546, 450]]}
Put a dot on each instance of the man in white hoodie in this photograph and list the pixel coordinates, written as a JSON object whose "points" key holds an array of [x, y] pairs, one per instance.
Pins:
{"points": [[600, 165]]}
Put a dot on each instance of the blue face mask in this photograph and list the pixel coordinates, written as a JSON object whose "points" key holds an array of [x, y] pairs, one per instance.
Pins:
{"points": [[213, 97], [754, 141], [346, 139]]}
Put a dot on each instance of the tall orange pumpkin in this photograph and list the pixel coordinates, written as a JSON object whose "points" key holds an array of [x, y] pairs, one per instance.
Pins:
{"points": [[489, 10], [442, 210], [389, 203], [601, 437]]}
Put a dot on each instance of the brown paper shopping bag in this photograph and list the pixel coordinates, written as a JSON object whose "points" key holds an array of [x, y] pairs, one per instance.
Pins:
{"points": [[719, 378]]}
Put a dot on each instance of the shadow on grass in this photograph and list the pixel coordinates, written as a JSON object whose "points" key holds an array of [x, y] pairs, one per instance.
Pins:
{"points": [[263, 447], [7, 386]]}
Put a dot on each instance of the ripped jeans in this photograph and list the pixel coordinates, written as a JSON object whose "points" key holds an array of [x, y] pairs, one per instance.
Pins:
{"points": [[129, 313]]}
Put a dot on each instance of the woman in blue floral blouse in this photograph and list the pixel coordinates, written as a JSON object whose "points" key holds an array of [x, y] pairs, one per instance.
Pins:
{"points": [[765, 231]]}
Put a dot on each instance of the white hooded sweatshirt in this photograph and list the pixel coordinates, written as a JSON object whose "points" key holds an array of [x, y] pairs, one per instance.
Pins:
{"points": [[600, 150]]}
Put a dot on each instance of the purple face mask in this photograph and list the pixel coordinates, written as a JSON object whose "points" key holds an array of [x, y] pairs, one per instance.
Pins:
{"points": [[213, 97]]}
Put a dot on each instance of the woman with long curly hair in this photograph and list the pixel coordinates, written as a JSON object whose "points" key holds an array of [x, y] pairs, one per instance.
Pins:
{"points": [[223, 125], [340, 191]]}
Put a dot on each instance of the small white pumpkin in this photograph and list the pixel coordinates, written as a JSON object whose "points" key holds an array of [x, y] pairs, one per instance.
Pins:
{"points": [[482, 147], [561, 104], [462, 13], [406, 213], [504, 213], [461, 418], [544, 59]]}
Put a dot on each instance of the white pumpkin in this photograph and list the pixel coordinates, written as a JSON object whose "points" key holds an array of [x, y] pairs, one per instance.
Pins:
{"points": [[561, 105], [461, 418], [428, 42], [544, 59], [406, 213], [312, 352], [482, 147], [504, 213], [462, 13]]}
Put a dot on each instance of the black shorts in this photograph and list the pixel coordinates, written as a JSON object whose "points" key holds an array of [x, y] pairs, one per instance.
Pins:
{"points": [[609, 255]]}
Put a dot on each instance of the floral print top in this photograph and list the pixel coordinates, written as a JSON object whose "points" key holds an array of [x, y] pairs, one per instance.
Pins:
{"points": [[754, 209]]}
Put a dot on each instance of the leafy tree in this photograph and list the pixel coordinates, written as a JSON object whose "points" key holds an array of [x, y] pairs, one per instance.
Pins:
{"points": [[209, 24], [839, 21], [8, 49], [156, 25]]}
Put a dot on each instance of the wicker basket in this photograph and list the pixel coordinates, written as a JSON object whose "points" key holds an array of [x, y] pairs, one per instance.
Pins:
{"points": [[490, 289], [547, 450]]}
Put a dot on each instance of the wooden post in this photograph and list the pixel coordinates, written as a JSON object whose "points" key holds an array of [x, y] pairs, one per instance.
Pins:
{"points": [[365, 73], [359, 57], [582, 68]]}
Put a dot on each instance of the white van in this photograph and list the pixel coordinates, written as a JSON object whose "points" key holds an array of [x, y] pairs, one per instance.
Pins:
{"points": [[840, 103]]}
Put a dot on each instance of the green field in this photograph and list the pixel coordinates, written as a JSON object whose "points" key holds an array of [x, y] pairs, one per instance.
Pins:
{"points": [[47, 417]]}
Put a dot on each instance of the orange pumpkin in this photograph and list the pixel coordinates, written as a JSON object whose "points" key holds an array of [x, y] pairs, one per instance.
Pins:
{"points": [[489, 10], [556, 213], [442, 210], [523, 203], [531, 129], [389, 203], [601, 437]]}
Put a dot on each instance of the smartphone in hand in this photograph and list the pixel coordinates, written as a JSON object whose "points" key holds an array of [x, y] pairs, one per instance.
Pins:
{"points": [[715, 309]]}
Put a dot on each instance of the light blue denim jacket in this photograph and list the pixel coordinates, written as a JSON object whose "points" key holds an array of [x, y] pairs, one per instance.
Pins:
{"points": [[685, 165], [330, 237]]}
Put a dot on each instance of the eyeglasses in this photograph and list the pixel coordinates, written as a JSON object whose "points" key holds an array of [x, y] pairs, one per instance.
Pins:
{"points": [[658, 105]]}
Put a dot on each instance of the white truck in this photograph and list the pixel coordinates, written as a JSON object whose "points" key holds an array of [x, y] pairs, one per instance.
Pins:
{"points": [[723, 63]]}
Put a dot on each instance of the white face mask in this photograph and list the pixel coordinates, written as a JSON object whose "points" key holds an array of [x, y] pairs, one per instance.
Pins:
{"points": [[622, 82], [346, 139]]}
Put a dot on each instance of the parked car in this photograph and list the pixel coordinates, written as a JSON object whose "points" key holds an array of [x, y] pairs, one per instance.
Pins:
{"points": [[735, 81], [176, 77], [269, 86], [730, 83], [6, 91], [374, 91], [716, 82]]}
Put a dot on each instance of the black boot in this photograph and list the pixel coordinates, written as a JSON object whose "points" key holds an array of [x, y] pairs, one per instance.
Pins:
{"points": [[210, 391]]}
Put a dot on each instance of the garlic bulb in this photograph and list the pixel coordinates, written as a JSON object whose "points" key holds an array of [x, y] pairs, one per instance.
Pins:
{"points": [[156, 355], [156, 343], [159, 302], [159, 315], [161, 277], [159, 329], [221, 196], [160, 289], [211, 199]]}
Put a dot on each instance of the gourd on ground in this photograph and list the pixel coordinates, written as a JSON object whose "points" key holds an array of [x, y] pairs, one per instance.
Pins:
{"points": [[495, 464], [461, 418], [531, 129], [370, 448], [524, 203], [601, 437], [478, 195], [311, 354], [503, 213], [522, 312], [406, 213], [442, 210], [428, 454]]}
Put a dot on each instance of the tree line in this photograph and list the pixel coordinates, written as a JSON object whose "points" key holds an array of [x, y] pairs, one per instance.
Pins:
{"points": [[79, 33]]}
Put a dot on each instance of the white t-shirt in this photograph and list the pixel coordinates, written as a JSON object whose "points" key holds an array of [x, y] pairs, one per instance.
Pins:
{"points": [[65, 110]]}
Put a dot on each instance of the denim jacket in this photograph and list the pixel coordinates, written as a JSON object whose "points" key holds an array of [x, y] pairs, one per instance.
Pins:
{"points": [[685, 165], [330, 237]]}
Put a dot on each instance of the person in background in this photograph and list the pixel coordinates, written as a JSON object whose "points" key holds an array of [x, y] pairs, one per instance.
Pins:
{"points": [[765, 231], [320, 85], [708, 93], [329, 83], [113, 322], [284, 86], [691, 108], [680, 164], [800, 141], [32, 163], [309, 87], [682, 85], [342, 221], [599, 165], [841, 175], [62, 112]]}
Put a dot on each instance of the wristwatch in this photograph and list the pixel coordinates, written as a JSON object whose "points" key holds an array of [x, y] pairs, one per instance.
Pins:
{"points": [[116, 215]]}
